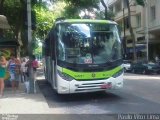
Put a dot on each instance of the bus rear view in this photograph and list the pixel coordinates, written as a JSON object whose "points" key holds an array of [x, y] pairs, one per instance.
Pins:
{"points": [[84, 56]]}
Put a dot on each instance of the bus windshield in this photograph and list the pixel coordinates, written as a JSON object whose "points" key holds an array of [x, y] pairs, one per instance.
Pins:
{"points": [[88, 43]]}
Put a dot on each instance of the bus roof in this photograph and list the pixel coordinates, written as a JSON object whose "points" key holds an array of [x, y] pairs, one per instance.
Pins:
{"points": [[85, 21]]}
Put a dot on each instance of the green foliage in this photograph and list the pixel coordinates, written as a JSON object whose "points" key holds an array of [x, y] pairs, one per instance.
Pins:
{"points": [[71, 12], [83, 4], [58, 8], [38, 51], [34, 44], [13, 10], [74, 7], [46, 16], [101, 15], [140, 2], [44, 20], [110, 14]]}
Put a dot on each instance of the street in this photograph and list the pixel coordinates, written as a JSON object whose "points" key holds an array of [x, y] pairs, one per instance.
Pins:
{"points": [[139, 95]]}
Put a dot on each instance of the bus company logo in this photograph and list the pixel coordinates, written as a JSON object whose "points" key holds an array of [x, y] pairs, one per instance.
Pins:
{"points": [[93, 75]]}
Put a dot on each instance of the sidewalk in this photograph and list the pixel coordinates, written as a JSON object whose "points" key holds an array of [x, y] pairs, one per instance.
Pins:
{"points": [[23, 103]]}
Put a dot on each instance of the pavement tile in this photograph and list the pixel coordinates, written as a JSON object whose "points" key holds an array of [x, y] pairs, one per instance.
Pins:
{"points": [[23, 103]]}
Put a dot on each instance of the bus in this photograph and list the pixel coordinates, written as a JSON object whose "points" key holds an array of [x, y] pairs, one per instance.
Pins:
{"points": [[83, 55]]}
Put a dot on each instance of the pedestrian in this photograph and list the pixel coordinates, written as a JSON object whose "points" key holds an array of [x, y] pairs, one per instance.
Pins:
{"points": [[34, 66], [23, 70], [3, 63], [18, 72], [27, 74], [14, 70]]}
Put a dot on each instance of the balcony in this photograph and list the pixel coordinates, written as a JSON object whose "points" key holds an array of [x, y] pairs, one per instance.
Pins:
{"points": [[154, 25]]}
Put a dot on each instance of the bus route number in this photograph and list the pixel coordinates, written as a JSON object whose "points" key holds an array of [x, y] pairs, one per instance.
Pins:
{"points": [[88, 61]]}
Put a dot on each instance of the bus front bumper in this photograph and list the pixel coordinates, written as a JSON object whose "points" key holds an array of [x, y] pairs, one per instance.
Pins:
{"points": [[74, 86]]}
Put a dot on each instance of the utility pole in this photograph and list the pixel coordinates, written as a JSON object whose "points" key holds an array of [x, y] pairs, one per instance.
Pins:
{"points": [[146, 29], [131, 31], [124, 37], [31, 81]]}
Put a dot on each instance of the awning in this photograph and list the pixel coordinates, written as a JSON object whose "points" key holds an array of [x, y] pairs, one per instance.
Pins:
{"points": [[138, 49], [3, 22], [8, 41]]}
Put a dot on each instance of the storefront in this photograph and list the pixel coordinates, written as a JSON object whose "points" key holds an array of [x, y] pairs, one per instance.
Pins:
{"points": [[140, 51], [8, 48]]}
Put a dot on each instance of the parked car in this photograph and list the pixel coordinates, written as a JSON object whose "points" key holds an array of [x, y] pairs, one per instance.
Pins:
{"points": [[126, 65], [145, 68]]}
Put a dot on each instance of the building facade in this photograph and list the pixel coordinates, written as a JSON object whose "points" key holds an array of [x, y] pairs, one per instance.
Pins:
{"points": [[145, 22]]}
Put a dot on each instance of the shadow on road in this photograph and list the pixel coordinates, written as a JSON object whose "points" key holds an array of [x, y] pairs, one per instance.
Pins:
{"points": [[109, 102], [80, 98]]}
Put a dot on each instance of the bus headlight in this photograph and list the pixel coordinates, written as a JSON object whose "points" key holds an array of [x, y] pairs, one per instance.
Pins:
{"points": [[65, 76], [118, 73]]}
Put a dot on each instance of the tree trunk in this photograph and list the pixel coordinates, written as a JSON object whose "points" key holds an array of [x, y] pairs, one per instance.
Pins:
{"points": [[1, 6], [106, 9], [131, 31]]}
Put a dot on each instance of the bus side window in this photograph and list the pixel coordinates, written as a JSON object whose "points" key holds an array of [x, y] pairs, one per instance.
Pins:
{"points": [[52, 39], [46, 47]]}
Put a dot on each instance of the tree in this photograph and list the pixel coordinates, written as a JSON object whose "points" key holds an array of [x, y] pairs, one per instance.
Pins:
{"points": [[106, 13], [131, 31], [38, 51], [1, 6], [16, 13], [74, 7], [139, 2], [106, 9], [45, 17], [44, 21]]}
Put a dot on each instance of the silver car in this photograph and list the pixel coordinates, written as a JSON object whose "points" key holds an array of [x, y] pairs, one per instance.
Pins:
{"points": [[126, 65]]}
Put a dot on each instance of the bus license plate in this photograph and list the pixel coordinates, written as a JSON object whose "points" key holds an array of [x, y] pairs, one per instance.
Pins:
{"points": [[105, 86]]}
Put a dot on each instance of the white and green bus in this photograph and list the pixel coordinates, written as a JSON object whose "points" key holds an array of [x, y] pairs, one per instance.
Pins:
{"points": [[83, 55]]}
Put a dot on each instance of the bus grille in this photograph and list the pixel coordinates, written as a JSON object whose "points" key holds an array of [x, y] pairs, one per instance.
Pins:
{"points": [[91, 86]]}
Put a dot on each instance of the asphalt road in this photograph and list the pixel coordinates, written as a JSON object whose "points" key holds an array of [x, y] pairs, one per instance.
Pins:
{"points": [[141, 94]]}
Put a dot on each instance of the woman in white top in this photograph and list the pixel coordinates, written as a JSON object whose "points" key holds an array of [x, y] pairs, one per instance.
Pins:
{"points": [[23, 69]]}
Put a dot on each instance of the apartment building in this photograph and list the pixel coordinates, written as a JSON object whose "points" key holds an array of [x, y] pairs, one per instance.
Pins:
{"points": [[145, 22]]}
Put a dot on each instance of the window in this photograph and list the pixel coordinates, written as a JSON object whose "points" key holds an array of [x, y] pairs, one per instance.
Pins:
{"points": [[118, 7], [91, 43], [124, 4], [138, 19], [153, 13], [140, 39], [129, 41], [111, 8]]}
